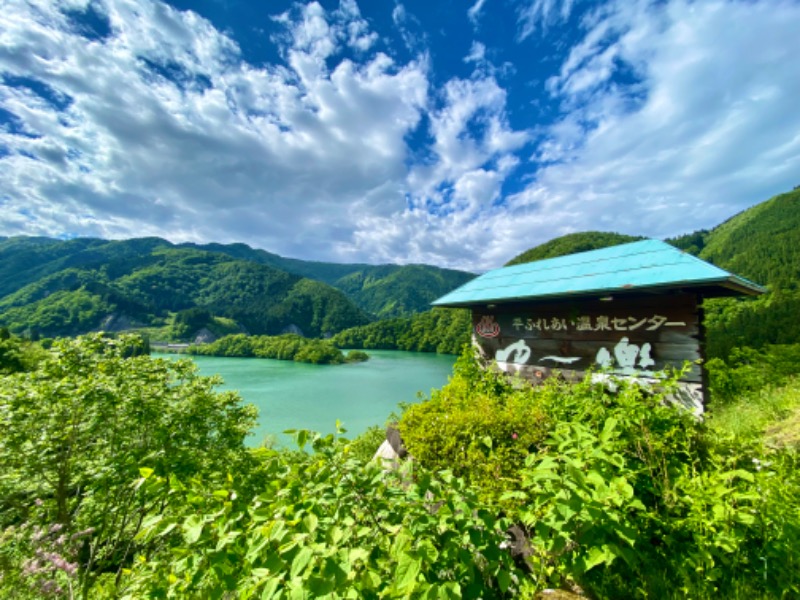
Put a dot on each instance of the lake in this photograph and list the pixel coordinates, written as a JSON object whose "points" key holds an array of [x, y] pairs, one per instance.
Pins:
{"points": [[292, 395]]}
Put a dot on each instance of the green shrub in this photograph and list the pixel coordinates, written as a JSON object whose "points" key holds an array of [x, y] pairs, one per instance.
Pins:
{"points": [[748, 370], [78, 430], [327, 525], [357, 356], [480, 425], [622, 494]]}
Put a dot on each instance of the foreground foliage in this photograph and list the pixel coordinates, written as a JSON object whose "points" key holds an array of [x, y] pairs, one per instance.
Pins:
{"points": [[127, 477], [622, 495], [323, 524], [77, 430]]}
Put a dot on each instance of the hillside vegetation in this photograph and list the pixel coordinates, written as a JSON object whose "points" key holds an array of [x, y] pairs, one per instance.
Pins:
{"points": [[441, 330], [67, 288], [572, 243], [398, 291], [52, 287], [280, 347], [763, 245], [383, 291]]}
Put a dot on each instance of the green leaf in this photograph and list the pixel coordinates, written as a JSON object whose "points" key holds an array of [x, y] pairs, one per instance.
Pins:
{"points": [[503, 580], [427, 551], [301, 561], [608, 429], [270, 588], [405, 576], [402, 542], [145, 472], [741, 474], [358, 554], [192, 529], [597, 556], [450, 590], [310, 521]]}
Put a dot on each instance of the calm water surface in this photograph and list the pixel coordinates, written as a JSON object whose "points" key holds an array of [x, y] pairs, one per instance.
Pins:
{"points": [[293, 395]]}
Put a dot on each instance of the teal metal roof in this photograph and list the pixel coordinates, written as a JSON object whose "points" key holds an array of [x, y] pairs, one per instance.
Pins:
{"points": [[649, 265]]}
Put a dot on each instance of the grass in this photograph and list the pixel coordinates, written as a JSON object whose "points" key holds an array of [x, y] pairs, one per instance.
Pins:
{"points": [[772, 413]]}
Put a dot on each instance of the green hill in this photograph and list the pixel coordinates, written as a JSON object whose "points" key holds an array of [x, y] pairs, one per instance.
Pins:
{"points": [[396, 291], [762, 244], [572, 243], [441, 330], [383, 291], [54, 287]]}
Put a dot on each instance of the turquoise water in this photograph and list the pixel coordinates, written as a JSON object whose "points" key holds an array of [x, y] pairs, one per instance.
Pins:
{"points": [[293, 395]]}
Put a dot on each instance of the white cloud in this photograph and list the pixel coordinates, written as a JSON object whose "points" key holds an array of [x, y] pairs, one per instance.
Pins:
{"points": [[469, 131], [477, 53], [707, 127], [539, 14], [474, 11], [453, 195], [278, 156], [703, 124], [409, 28]]}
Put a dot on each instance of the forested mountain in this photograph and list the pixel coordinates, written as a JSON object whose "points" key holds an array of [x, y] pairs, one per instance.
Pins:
{"points": [[572, 243], [321, 271], [441, 330], [57, 287], [395, 291], [383, 291], [53, 287], [762, 244]]}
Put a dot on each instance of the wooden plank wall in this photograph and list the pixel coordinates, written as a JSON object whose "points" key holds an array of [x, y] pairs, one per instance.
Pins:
{"points": [[629, 336]]}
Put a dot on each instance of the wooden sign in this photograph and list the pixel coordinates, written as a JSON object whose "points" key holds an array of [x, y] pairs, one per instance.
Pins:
{"points": [[630, 337]]}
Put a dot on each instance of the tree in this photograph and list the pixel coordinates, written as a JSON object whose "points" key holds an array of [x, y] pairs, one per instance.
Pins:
{"points": [[85, 424]]}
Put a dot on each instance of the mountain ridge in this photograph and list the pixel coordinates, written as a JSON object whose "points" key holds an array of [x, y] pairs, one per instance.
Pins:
{"points": [[65, 287]]}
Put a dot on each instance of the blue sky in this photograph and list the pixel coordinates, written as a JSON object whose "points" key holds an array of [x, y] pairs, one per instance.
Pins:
{"points": [[450, 133]]}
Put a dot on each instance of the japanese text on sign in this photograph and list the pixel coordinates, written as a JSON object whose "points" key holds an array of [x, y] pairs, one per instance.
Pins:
{"points": [[598, 323]]}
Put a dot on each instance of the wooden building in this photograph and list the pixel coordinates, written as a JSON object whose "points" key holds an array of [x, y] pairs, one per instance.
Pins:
{"points": [[632, 310]]}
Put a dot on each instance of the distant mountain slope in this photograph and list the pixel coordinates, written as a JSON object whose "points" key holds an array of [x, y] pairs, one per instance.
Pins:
{"points": [[761, 243], [396, 291], [572, 243], [63, 288], [381, 290], [321, 271], [24, 260]]}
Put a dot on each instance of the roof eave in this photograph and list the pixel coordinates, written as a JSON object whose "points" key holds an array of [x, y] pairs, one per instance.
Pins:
{"points": [[709, 288]]}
